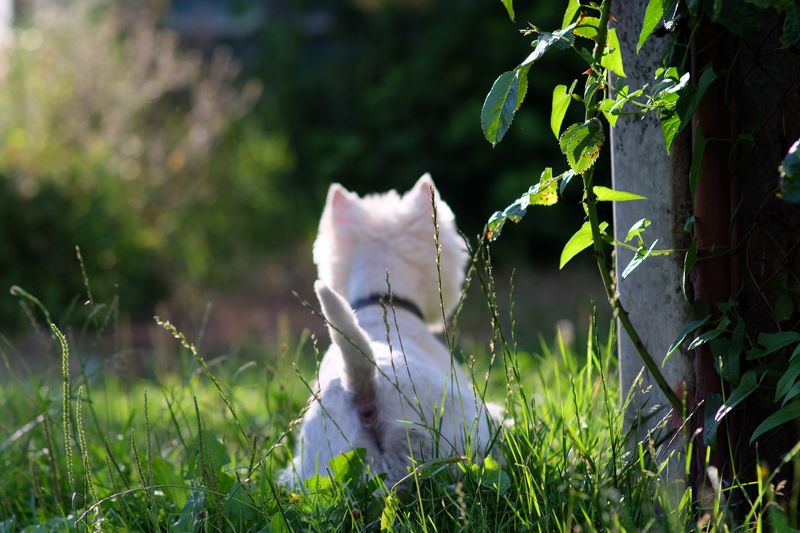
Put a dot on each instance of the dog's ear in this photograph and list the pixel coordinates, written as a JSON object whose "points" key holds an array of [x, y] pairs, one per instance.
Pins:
{"points": [[420, 194], [340, 204]]}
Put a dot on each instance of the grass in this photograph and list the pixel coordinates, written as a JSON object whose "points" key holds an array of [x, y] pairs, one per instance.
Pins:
{"points": [[202, 448]]}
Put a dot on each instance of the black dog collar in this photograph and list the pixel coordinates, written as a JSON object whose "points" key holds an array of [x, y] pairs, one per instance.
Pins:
{"points": [[390, 300]]}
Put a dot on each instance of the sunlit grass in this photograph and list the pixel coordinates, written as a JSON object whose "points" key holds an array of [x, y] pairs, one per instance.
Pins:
{"points": [[203, 446], [184, 463]]}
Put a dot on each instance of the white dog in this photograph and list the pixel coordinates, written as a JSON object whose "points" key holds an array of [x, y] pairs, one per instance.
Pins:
{"points": [[400, 398]]}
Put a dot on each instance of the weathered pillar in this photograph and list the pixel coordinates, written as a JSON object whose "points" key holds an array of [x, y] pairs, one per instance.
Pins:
{"points": [[652, 293]]}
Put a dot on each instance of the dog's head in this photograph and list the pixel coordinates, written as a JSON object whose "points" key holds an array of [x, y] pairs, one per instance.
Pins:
{"points": [[361, 238]]}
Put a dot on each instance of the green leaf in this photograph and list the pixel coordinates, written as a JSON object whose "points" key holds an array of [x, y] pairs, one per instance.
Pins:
{"points": [[652, 16], [559, 40], [495, 225], [780, 417], [687, 106], [670, 125], [712, 404], [587, 27], [689, 328], [790, 175], [491, 471], [604, 194], [738, 17], [581, 144], [569, 14], [565, 178], [546, 191], [746, 387], [727, 354], [712, 334], [389, 514], [609, 108], [788, 379], [791, 27], [581, 240], [500, 105], [677, 114], [636, 229], [772, 342], [612, 58], [191, 513], [641, 254], [561, 100], [509, 5], [348, 466], [166, 475]]}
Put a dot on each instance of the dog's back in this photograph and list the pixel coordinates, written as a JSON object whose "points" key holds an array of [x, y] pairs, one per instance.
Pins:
{"points": [[387, 384]]}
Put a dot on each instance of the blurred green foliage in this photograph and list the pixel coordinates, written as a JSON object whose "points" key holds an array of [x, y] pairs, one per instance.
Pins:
{"points": [[167, 164], [373, 94]]}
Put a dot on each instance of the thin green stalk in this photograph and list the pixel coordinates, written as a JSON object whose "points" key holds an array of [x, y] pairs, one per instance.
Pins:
{"points": [[590, 204], [65, 417]]}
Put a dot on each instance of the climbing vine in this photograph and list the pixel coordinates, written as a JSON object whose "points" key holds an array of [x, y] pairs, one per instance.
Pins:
{"points": [[745, 362]]}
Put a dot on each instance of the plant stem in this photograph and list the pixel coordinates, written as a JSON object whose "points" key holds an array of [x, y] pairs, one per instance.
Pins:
{"points": [[590, 204]]}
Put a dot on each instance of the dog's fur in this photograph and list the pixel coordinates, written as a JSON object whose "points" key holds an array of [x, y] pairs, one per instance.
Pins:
{"points": [[398, 399]]}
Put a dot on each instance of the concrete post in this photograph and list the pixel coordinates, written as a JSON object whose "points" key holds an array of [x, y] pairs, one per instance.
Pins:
{"points": [[652, 293]]}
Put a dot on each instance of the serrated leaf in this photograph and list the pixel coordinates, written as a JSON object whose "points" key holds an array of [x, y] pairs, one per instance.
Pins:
{"points": [[499, 107], [612, 58], [561, 100], [569, 14], [638, 258], [522, 90], [587, 27], [546, 191], [560, 40], [604, 194], [688, 329], [581, 240], [581, 144], [780, 417], [509, 5], [790, 174]]}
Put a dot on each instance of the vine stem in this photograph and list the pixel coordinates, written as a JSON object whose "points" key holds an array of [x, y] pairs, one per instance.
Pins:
{"points": [[599, 246]]}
